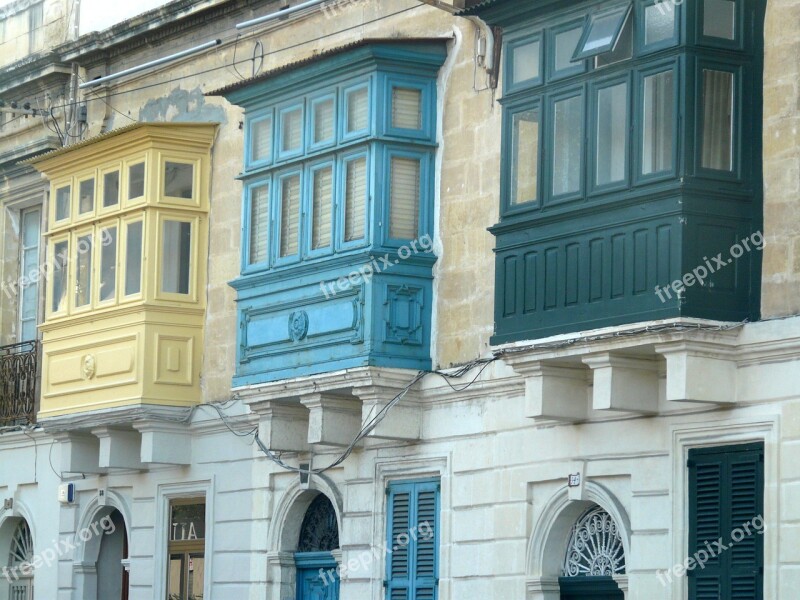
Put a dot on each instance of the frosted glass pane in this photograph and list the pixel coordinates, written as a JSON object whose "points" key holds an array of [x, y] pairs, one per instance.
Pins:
{"points": [[178, 180], [108, 264], [404, 209], [659, 22], [324, 120], [259, 224], [355, 199], [567, 146], [290, 215], [526, 61], [525, 158], [717, 120], [322, 208], [176, 260], [658, 125], [566, 43], [612, 133], [60, 260], [406, 108], [86, 196], [62, 203], [111, 189], [136, 181], [719, 19], [292, 134], [261, 140], [83, 271], [358, 110], [133, 259]]}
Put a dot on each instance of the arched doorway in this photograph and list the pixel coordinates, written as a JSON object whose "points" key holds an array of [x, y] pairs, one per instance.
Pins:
{"points": [[112, 576], [317, 576], [595, 555], [19, 571]]}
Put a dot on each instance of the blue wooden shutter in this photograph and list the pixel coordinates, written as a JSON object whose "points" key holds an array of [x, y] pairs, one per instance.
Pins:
{"points": [[413, 567], [726, 493]]}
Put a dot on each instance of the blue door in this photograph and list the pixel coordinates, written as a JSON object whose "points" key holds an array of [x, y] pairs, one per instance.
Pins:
{"points": [[317, 578], [589, 588]]}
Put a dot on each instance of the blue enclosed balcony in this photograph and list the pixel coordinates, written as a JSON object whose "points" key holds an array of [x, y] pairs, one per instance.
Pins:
{"points": [[338, 211]]}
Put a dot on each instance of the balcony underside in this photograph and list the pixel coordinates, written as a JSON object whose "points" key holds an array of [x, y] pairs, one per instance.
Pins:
{"points": [[616, 266]]}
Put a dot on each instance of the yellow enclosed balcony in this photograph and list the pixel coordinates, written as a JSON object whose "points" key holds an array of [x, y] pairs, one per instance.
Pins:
{"points": [[126, 249]]}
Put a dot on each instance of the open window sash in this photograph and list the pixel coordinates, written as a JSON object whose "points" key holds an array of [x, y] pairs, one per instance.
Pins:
{"points": [[602, 33]]}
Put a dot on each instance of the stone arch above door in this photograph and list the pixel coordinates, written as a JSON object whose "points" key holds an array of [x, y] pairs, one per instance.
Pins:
{"points": [[285, 530], [552, 531]]}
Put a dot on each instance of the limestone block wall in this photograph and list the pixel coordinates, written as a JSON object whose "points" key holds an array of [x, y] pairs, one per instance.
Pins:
{"points": [[781, 278]]}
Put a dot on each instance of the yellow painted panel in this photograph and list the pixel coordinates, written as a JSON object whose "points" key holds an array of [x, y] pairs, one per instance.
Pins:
{"points": [[174, 360]]}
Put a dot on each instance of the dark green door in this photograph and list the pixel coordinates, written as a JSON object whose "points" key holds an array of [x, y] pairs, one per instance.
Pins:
{"points": [[589, 588]]}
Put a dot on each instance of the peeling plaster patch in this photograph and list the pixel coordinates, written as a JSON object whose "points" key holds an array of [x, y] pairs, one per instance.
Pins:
{"points": [[182, 106]]}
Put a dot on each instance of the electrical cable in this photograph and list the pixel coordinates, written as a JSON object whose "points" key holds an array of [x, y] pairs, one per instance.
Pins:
{"points": [[246, 60]]}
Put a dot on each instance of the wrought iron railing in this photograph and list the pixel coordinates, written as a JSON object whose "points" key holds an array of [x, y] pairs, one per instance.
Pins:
{"points": [[18, 379]]}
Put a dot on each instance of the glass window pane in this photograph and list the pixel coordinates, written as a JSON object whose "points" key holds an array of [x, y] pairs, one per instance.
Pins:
{"points": [[404, 199], [259, 224], [525, 59], [111, 189], [60, 260], [292, 130], [86, 196], [717, 120], [290, 215], [261, 140], [566, 42], [187, 522], [136, 181], [175, 575], [525, 158], [659, 22], [355, 199], [406, 108], [178, 180], [567, 145], [601, 35], [659, 120], [29, 267], [358, 110], [108, 264], [176, 260], [83, 271], [612, 133], [719, 19], [62, 203], [197, 571], [322, 208], [324, 120], [133, 259]]}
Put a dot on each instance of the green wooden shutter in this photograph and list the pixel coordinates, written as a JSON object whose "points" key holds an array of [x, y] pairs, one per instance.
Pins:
{"points": [[726, 495], [413, 567]]}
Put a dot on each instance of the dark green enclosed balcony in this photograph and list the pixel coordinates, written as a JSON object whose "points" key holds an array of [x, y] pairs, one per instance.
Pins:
{"points": [[631, 166]]}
